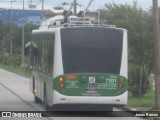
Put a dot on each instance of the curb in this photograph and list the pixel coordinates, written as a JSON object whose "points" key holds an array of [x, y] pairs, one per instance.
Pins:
{"points": [[128, 109]]}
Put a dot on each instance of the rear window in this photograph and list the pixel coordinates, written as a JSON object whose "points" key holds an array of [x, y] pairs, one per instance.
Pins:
{"points": [[91, 50]]}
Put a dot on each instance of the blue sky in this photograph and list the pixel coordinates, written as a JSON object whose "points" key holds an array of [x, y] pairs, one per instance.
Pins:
{"points": [[49, 4]]}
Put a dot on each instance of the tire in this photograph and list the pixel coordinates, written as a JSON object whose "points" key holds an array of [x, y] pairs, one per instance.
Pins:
{"points": [[36, 99], [33, 85]]}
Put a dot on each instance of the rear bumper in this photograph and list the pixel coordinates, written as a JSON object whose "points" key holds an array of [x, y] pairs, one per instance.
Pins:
{"points": [[82, 107], [120, 100]]}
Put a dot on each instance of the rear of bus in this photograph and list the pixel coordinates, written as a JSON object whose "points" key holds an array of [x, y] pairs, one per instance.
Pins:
{"points": [[90, 67]]}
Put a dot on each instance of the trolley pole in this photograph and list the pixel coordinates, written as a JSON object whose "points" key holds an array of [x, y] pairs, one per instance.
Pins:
{"points": [[156, 53]]}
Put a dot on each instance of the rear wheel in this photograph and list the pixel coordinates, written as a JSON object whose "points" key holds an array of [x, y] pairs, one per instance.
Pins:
{"points": [[36, 99]]}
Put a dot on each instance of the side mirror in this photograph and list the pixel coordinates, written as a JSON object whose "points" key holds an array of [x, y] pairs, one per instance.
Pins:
{"points": [[31, 49]]}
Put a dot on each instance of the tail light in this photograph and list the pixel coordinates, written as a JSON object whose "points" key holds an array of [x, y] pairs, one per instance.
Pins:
{"points": [[61, 85], [121, 79], [120, 86], [61, 79]]}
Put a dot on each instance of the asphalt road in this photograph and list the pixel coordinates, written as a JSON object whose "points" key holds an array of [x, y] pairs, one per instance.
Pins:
{"points": [[15, 95]]}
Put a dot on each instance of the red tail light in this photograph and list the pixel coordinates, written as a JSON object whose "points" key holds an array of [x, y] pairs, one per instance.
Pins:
{"points": [[61, 85], [120, 86]]}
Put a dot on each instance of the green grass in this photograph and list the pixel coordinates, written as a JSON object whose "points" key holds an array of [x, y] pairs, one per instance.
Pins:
{"points": [[18, 70], [147, 101]]}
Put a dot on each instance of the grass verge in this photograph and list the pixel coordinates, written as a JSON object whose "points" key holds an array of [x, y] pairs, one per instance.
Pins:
{"points": [[147, 101], [18, 70]]}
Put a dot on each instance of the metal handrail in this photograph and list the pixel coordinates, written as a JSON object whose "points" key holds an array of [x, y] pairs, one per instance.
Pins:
{"points": [[86, 25], [80, 20]]}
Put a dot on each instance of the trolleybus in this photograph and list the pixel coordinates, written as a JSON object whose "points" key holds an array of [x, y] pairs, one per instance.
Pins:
{"points": [[79, 65]]}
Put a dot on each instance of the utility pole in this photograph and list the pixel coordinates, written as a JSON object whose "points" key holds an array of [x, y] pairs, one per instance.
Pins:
{"points": [[42, 4], [156, 53], [11, 42], [22, 56], [75, 7], [42, 9], [3, 38], [2, 13]]}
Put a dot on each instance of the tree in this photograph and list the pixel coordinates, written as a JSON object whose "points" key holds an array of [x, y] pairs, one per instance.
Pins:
{"points": [[138, 24], [17, 42]]}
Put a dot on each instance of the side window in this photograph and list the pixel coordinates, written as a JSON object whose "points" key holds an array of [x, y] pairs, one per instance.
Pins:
{"points": [[36, 53], [48, 54], [43, 55]]}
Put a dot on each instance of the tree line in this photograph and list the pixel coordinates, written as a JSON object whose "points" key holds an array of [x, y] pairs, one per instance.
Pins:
{"points": [[16, 38]]}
